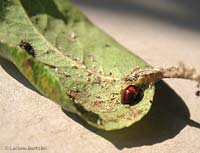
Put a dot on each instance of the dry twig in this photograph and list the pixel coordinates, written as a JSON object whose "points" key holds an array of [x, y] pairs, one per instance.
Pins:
{"points": [[152, 75]]}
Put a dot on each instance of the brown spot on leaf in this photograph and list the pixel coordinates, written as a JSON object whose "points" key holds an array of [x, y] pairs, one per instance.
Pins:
{"points": [[67, 75], [51, 66], [97, 80], [89, 74], [107, 45], [98, 96], [97, 103], [27, 63], [47, 52], [73, 94], [88, 79], [134, 114]]}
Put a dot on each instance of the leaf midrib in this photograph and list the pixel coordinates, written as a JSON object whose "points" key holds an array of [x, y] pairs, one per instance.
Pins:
{"points": [[73, 62]]}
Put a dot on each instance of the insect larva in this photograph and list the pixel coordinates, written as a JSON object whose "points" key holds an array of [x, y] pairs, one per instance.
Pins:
{"points": [[26, 45]]}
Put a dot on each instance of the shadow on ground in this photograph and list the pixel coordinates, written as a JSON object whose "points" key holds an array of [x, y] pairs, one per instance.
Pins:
{"points": [[11, 69], [167, 117], [183, 13]]}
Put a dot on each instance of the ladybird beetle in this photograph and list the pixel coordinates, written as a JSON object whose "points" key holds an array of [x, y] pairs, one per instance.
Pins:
{"points": [[131, 95]]}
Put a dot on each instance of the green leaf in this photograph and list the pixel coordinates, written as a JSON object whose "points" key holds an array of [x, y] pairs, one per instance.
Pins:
{"points": [[77, 65]]}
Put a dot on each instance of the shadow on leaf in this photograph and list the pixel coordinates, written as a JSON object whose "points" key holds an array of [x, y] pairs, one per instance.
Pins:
{"points": [[167, 117]]}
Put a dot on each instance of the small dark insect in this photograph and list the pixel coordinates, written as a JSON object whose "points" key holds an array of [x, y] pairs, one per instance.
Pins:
{"points": [[26, 45], [132, 95], [198, 93]]}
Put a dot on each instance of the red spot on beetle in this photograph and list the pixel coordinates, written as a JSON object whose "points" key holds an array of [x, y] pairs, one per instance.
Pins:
{"points": [[132, 95]]}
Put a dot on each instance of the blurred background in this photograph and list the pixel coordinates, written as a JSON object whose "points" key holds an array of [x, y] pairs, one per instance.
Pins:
{"points": [[163, 33], [149, 27]]}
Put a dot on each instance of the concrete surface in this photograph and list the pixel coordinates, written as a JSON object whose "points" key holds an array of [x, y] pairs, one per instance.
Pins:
{"points": [[162, 33]]}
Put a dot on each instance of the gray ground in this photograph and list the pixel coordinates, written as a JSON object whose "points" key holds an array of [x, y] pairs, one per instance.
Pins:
{"points": [[163, 33]]}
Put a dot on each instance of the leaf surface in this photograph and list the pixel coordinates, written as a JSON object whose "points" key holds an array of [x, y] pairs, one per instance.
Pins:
{"points": [[76, 64]]}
